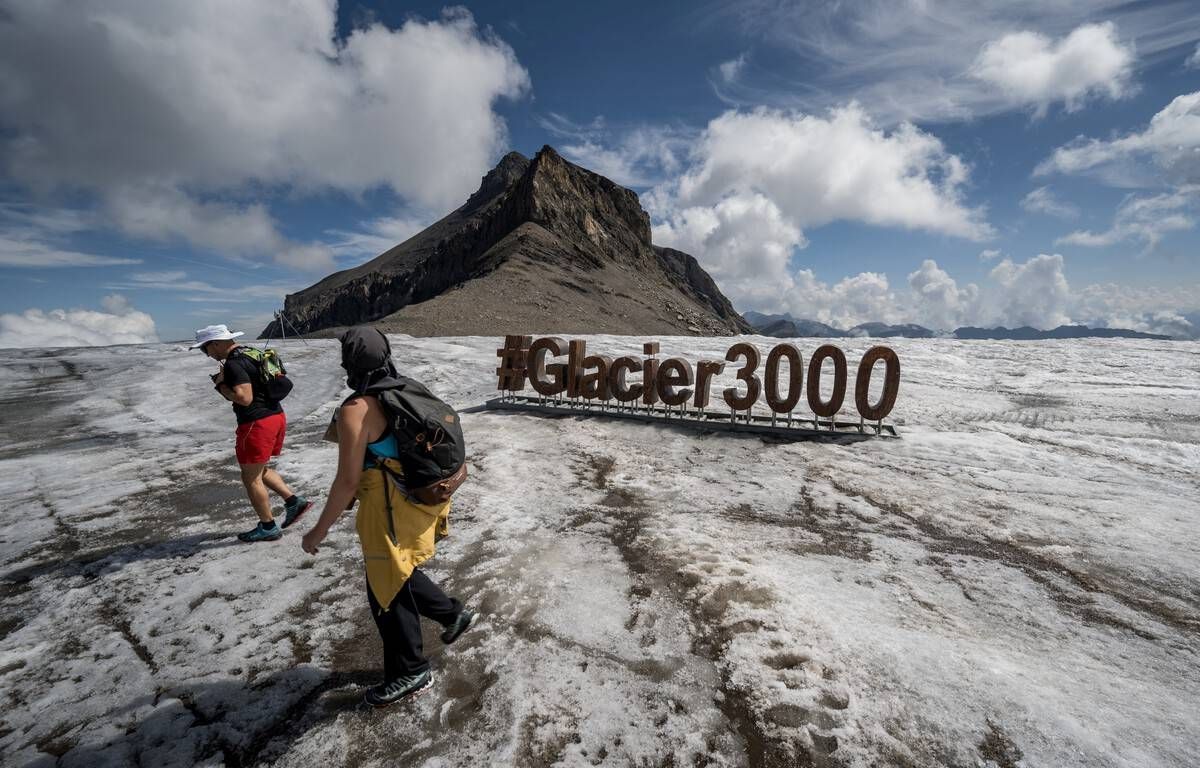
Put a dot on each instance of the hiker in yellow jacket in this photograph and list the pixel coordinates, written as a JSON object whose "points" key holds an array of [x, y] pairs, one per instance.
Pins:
{"points": [[397, 533]]}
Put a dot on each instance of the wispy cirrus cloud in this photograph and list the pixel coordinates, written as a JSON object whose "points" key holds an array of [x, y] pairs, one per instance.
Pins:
{"points": [[33, 254], [373, 237], [179, 281], [1145, 220], [729, 71], [1043, 200], [166, 214], [941, 60], [38, 238], [1164, 156], [633, 155], [1166, 151]]}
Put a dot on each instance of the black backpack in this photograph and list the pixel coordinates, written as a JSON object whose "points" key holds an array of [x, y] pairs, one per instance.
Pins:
{"points": [[432, 452], [428, 433]]}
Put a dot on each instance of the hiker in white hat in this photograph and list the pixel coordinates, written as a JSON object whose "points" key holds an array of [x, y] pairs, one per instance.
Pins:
{"points": [[261, 426]]}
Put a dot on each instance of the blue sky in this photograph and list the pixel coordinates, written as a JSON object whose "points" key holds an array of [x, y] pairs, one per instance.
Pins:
{"points": [[941, 163]]}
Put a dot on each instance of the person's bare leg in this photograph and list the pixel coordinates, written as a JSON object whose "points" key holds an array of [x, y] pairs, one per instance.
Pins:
{"points": [[274, 481], [252, 478]]}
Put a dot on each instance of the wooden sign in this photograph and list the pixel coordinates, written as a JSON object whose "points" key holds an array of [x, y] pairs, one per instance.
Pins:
{"points": [[556, 368]]}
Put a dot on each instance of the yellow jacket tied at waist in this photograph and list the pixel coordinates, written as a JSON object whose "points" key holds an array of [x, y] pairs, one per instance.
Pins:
{"points": [[397, 532]]}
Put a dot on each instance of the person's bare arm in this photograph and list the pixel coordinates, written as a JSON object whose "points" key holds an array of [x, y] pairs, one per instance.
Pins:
{"points": [[242, 394], [352, 447]]}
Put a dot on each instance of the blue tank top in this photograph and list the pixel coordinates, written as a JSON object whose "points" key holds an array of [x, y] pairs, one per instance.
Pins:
{"points": [[385, 447]]}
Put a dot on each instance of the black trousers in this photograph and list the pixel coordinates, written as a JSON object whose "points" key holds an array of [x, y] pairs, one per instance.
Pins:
{"points": [[400, 624]]}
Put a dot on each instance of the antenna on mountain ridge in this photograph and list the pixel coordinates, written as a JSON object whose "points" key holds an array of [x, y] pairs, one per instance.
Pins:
{"points": [[283, 322], [283, 327]]}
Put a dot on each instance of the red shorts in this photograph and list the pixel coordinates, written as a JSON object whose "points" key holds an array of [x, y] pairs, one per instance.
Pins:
{"points": [[259, 440]]}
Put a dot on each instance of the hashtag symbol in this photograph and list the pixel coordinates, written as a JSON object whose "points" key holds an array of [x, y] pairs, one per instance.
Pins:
{"points": [[511, 373]]}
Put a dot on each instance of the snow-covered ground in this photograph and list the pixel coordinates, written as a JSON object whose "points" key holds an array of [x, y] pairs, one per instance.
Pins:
{"points": [[1016, 581]]}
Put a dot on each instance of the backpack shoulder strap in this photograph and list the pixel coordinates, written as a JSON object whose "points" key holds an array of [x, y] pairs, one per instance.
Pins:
{"points": [[256, 361]]}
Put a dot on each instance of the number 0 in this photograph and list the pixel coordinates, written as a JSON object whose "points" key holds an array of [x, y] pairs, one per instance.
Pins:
{"points": [[778, 403], [891, 383], [834, 404]]}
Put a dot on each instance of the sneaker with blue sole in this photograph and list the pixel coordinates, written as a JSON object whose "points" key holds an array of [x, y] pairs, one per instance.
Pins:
{"points": [[261, 532], [292, 512]]}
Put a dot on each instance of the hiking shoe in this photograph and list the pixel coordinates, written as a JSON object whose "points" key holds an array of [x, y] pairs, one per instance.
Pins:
{"points": [[292, 512], [460, 624], [261, 533], [400, 688]]}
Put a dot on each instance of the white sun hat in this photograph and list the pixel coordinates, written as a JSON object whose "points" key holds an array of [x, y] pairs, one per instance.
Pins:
{"points": [[213, 333]]}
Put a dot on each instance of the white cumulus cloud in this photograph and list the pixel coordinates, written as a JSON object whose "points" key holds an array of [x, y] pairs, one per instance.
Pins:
{"points": [[758, 179], [744, 241], [215, 100], [937, 299], [838, 167], [865, 297], [1035, 293], [1029, 68], [1166, 322], [120, 323], [1152, 309]]}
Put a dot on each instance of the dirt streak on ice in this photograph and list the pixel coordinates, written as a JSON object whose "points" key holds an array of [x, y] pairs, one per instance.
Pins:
{"points": [[1012, 581]]}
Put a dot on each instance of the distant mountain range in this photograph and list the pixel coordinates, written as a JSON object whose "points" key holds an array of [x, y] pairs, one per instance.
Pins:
{"points": [[1025, 333], [785, 326]]}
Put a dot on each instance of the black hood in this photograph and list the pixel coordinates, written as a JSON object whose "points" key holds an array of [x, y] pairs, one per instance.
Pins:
{"points": [[367, 358]]}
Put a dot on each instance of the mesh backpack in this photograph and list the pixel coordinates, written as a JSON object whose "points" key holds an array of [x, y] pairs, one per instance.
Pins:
{"points": [[272, 375]]}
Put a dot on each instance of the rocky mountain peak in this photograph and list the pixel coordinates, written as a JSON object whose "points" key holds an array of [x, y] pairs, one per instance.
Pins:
{"points": [[510, 168], [583, 206], [542, 244]]}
